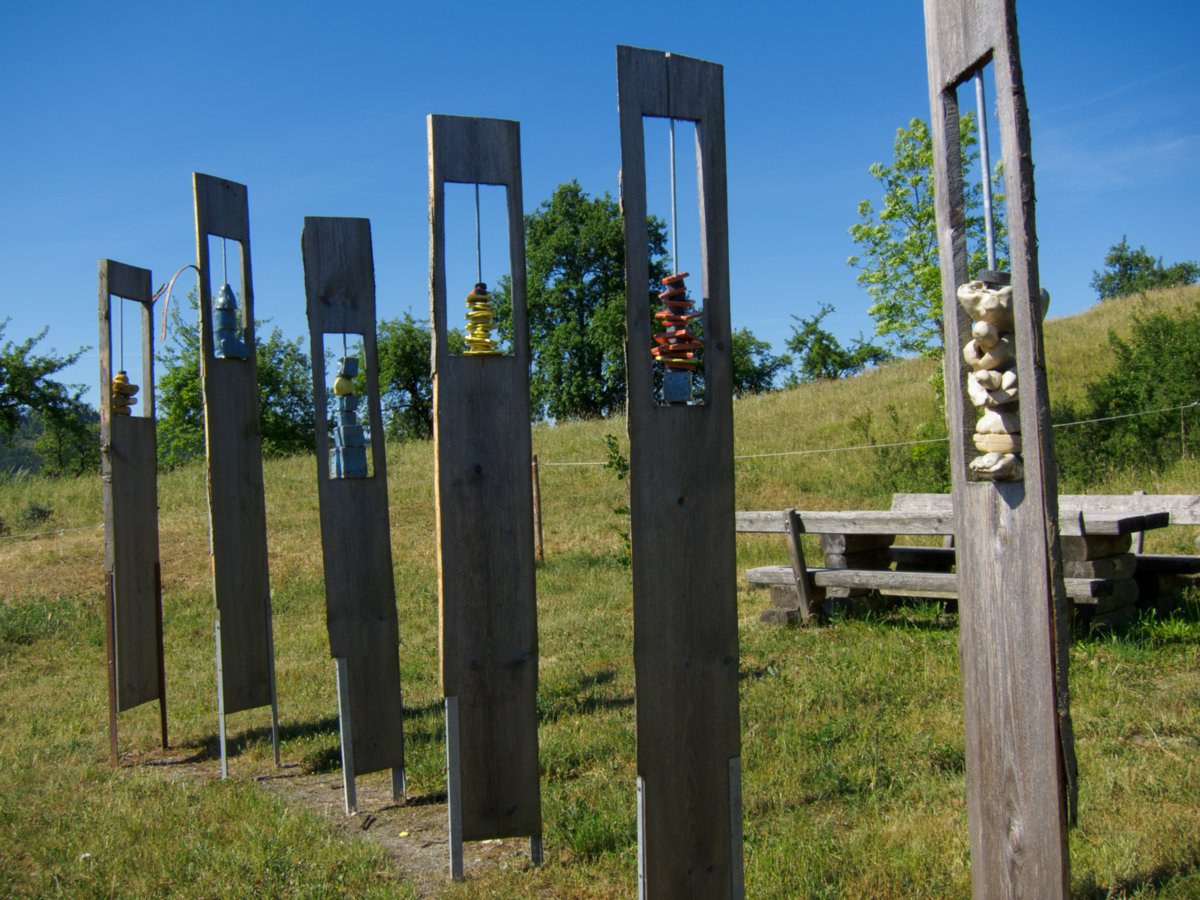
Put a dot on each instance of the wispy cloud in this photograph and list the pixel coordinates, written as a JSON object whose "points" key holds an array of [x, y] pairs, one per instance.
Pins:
{"points": [[1114, 92], [1132, 160]]}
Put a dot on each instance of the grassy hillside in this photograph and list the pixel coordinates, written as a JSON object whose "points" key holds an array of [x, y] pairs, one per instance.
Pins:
{"points": [[852, 734]]}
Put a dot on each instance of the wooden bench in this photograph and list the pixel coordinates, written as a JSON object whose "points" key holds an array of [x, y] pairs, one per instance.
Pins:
{"points": [[1183, 509], [859, 553]]}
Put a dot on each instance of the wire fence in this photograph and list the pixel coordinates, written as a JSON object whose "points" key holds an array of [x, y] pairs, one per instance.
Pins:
{"points": [[99, 526]]}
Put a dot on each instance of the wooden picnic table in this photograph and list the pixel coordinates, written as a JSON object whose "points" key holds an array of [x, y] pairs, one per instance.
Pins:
{"points": [[860, 550]]}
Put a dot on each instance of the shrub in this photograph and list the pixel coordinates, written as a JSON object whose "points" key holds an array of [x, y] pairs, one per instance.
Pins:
{"points": [[1146, 403]]}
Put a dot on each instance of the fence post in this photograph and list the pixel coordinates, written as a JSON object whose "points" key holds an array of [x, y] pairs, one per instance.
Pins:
{"points": [[538, 546]]}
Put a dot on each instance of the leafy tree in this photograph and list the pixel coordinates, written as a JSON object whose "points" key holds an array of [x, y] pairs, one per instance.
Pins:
{"points": [[25, 382], [180, 400], [1128, 271], [821, 355], [755, 367], [898, 252], [69, 442], [284, 393], [1157, 368], [575, 259], [285, 403], [63, 428]]}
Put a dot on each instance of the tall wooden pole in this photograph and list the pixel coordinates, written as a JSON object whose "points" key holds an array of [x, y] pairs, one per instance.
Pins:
{"points": [[129, 479], [682, 518], [237, 514], [1012, 604], [360, 592], [486, 583]]}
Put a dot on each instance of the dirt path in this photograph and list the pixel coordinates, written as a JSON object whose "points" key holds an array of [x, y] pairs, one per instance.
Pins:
{"points": [[413, 832]]}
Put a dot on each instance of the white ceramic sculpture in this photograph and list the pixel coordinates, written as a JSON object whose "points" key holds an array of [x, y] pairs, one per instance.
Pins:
{"points": [[992, 381]]}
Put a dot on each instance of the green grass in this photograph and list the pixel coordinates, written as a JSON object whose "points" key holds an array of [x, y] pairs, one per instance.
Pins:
{"points": [[852, 746]]}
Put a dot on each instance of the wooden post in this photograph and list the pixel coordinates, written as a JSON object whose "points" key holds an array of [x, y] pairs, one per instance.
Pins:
{"points": [[129, 479], [537, 513], [360, 593], [1012, 603], [681, 498], [483, 452], [233, 442]]}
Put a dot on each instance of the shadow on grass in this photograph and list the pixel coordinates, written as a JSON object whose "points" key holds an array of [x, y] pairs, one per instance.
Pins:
{"points": [[1172, 620], [579, 697], [1152, 881]]}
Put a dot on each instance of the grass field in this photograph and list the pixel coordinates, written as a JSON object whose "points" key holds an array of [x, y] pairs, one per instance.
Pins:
{"points": [[852, 746]]}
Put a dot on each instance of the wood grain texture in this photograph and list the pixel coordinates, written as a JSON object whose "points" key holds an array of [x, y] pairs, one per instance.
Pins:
{"points": [[1013, 634], [909, 583], [809, 598], [129, 479], [233, 443], [483, 452], [685, 629], [1183, 509], [360, 592]]}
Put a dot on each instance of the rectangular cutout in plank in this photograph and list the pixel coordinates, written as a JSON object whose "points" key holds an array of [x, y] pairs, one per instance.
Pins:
{"points": [[672, 199], [477, 253], [346, 391]]}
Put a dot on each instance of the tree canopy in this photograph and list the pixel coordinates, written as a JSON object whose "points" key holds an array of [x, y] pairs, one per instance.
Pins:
{"points": [[821, 356], [1128, 271], [755, 367], [63, 427], [284, 393], [575, 261], [898, 251]]}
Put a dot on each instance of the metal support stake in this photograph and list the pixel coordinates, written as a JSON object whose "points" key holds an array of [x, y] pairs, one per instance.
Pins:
{"points": [[110, 637], [346, 735], [986, 166], [220, 698], [399, 784], [535, 849], [454, 789], [162, 662], [641, 837], [274, 698]]}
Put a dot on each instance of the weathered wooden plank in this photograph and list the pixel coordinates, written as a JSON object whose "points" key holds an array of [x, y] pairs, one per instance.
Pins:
{"points": [[837, 542], [1106, 516], [771, 521], [129, 478], [135, 559], [233, 442], [1013, 625], [1094, 546], [860, 559], [483, 453], [915, 583], [809, 599], [685, 629], [360, 594], [1112, 567], [1184, 509]]}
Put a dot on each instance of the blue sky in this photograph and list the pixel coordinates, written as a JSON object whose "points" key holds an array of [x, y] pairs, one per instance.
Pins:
{"points": [[320, 109]]}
